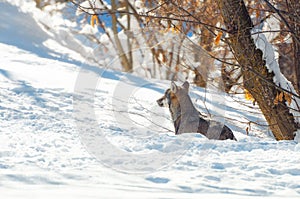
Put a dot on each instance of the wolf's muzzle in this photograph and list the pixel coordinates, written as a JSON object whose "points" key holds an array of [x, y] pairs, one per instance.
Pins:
{"points": [[160, 102]]}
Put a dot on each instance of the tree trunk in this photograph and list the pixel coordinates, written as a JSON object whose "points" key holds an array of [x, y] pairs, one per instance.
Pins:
{"points": [[206, 42], [127, 66], [239, 24], [294, 9], [38, 4], [129, 53], [285, 50]]}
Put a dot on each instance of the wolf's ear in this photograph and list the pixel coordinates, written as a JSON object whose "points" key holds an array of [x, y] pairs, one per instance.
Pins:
{"points": [[186, 85], [173, 87]]}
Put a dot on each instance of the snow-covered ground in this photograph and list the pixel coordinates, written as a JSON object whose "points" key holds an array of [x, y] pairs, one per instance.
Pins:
{"points": [[73, 130]]}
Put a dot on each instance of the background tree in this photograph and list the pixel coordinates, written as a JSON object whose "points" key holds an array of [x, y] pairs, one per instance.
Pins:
{"points": [[168, 58], [238, 23]]}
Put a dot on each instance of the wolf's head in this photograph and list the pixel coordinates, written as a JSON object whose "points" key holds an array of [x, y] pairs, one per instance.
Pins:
{"points": [[170, 96], [170, 100], [167, 99]]}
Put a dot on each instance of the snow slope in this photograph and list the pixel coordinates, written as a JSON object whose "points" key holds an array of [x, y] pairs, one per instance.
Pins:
{"points": [[72, 130]]}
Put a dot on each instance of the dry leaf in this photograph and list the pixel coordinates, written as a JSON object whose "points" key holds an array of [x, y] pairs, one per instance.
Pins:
{"points": [[218, 38], [94, 19], [288, 98], [278, 98], [257, 14], [248, 95], [257, 11], [147, 20]]}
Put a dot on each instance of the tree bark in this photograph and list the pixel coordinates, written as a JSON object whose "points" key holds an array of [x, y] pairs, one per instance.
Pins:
{"points": [[206, 42], [285, 49], [239, 25], [38, 4], [127, 66], [294, 10]]}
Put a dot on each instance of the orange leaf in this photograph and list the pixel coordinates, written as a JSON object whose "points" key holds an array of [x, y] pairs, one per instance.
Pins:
{"points": [[278, 98], [248, 95], [258, 10], [218, 38], [257, 14], [93, 19], [288, 98], [174, 30], [282, 39], [147, 20]]}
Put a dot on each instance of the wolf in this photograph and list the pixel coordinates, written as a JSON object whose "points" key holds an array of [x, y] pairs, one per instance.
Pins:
{"points": [[187, 119]]}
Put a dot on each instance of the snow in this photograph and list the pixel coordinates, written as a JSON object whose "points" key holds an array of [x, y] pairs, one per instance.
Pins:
{"points": [[74, 130], [90, 7], [88, 29]]}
